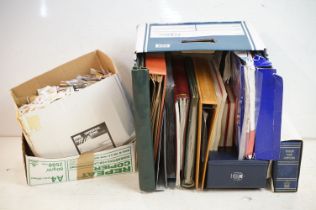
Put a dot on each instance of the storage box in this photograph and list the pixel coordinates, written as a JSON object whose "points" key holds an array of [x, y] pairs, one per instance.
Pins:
{"points": [[194, 39], [226, 171], [91, 119], [40, 171]]}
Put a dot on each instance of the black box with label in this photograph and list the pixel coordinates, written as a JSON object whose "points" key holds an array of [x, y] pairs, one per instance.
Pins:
{"points": [[226, 171]]}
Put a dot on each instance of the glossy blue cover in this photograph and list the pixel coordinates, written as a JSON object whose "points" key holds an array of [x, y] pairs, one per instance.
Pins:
{"points": [[268, 130], [262, 62]]}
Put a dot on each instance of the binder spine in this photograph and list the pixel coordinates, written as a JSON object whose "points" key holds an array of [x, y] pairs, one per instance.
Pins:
{"points": [[277, 115], [286, 170], [144, 141], [268, 130]]}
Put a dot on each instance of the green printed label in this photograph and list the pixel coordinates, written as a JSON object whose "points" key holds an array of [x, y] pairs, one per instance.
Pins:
{"points": [[57, 179], [55, 167], [115, 161]]}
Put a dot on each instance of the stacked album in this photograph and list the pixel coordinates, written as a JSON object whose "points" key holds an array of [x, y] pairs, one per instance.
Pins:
{"points": [[203, 90]]}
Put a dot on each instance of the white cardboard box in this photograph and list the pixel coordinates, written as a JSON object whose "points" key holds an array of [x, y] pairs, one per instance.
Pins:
{"points": [[95, 118]]}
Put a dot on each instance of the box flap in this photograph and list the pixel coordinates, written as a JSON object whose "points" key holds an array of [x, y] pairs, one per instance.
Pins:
{"points": [[198, 36], [67, 71]]}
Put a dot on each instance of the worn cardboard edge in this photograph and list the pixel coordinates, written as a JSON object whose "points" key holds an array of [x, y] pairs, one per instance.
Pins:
{"points": [[66, 71]]}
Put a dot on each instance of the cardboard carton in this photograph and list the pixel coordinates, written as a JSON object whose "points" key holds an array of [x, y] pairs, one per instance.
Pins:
{"points": [[95, 118]]}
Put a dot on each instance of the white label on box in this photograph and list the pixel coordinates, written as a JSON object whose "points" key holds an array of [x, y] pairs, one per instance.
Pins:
{"points": [[47, 171], [93, 139], [196, 30]]}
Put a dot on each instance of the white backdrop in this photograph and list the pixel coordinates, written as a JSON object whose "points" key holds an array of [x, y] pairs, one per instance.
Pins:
{"points": [[37, 35]]}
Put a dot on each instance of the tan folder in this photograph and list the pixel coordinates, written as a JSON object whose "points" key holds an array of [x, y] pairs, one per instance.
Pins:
{"points": [[207, 106]]}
